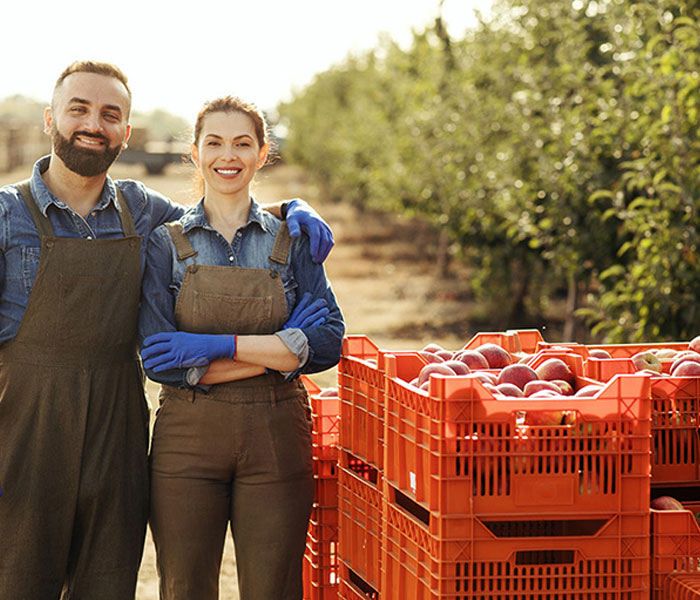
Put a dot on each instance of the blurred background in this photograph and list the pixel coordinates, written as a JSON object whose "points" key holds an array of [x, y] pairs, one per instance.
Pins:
{"points": [[550, 146]]}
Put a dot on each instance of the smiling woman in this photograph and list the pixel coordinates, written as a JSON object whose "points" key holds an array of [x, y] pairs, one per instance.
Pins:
{"points": [[233, 311]]}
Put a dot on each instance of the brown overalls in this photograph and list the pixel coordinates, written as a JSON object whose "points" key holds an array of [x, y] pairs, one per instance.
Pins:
{"points": [[240, 453], [74, 424]]}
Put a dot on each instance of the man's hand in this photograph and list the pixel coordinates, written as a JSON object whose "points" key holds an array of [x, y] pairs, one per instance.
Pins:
{"points": [[301, 217], [178, 349]]}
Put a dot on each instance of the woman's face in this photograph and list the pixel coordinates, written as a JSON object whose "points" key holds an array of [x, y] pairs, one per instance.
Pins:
{"points": [[228, 154]]}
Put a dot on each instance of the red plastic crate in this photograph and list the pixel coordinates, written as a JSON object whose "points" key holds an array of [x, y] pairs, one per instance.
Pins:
{"points": [[529, 339], [361, 389], [508, 340], [682, 586], [458, 450], [320, 571], [320, 566], [430, 556], [675, 419], [352, 587], [360, 517], [675, 546], [628, 350]]}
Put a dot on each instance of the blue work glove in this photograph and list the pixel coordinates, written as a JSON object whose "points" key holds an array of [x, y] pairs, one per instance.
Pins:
{"points": [[300, 216], [307, 315], [178, 349]]}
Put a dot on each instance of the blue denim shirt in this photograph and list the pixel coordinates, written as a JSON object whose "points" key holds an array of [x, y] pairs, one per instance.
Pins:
{"points": [[19, 239], [320, 346]]}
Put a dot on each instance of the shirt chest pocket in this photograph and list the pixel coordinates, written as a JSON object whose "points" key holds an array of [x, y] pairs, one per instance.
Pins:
{"points": [[30, 266]]}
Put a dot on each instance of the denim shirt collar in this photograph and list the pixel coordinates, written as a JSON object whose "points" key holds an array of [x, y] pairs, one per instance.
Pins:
{"points": [[44, 197], [198, 218]]}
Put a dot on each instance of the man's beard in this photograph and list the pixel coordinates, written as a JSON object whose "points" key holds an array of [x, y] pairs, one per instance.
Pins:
{"points": [[82, 161]]}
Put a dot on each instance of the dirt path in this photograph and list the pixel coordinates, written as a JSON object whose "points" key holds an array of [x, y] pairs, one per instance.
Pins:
{"points": [[383, 273]]}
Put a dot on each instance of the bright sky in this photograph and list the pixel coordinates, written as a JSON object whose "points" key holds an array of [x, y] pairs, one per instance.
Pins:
{"points": [[176, 58]]}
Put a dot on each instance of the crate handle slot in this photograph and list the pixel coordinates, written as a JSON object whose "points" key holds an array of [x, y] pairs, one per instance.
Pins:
{"points": [[545, 557], [548, 528]]}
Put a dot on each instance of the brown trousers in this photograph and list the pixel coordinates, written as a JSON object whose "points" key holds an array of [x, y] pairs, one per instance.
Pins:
{"points": [[246, 461]]}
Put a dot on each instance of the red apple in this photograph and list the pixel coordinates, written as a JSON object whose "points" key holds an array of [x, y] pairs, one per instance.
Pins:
{"points": [[545, 417], [517, 374], [566, 388], [694, 344], [686, 368], [440, 368], [666, 503], [414, 382], [509, 389], [431, 357], [496, 356], [555, 368], [457, 366], [647, 360], [544, 394], [433, 348], [588, 390], [666, 353], [537, 385], [472, 358], [486, 378], [444, 354], [684, 356], [599, 353]]}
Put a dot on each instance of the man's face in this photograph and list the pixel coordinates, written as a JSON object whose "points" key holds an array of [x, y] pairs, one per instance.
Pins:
{"points": [[88, 122]]}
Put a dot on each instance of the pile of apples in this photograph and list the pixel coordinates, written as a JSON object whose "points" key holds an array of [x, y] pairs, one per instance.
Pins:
{"points": [[686, 363], [514, 378]]}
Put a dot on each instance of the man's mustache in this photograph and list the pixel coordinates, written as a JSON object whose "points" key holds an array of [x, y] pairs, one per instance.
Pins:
{"points": [[96, 136]]}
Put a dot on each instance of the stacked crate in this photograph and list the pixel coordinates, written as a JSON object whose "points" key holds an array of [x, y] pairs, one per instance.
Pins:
{"points": [[481, 504], [320, 567], [360, 468], [682, 586], [675, 543], [361, 386], [675, 462]]}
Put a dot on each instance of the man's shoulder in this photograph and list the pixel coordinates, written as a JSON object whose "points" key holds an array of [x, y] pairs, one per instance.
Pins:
{"points": [[10, 197], [136, 192], [144, 200]]}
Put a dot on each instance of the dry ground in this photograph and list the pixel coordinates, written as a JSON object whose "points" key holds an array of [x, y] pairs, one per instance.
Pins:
{"points": [[382, 271]]}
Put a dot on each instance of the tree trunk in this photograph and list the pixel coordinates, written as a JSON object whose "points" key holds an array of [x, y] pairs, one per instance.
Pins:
{"points": [[443, 254], [571, 305]]}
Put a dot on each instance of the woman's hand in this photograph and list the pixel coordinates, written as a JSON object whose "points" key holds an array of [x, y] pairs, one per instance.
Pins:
{"points": [[179, 349], [307, 315]]}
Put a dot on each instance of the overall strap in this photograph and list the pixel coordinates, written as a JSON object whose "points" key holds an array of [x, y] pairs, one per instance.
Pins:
{"points": [[41, 221], [183, 246], [283, 242], [125, 216], [43, 224]]}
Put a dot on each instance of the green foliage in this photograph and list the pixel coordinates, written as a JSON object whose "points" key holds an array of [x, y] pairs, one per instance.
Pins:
{"points": [[557, 142]]}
